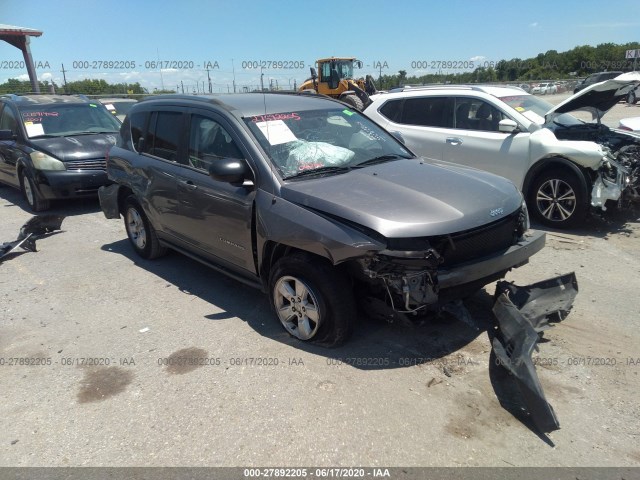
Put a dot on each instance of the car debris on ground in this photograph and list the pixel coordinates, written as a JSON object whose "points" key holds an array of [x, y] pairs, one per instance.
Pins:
{"points": [[32, 230]]}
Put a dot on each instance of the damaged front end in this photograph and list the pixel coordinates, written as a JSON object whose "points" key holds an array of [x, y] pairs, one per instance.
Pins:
{"points": [[420, 274], [618, 178], [407, 280], [522, 314]]}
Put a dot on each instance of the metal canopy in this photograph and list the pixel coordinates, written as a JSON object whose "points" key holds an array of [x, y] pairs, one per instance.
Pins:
{"points": [[19, 37]]}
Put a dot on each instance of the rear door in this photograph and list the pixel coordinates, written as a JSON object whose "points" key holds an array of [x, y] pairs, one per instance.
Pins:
{"points": [[424, 122], [215, 217], [159, 164]]}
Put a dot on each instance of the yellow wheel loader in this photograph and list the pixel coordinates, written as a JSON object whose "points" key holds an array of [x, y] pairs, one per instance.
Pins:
{"points": [[336, 80]]}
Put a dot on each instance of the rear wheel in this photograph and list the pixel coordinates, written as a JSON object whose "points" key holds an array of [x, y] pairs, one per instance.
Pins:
{"points": [[312, 300], [354, 101], [558, 199], [36, 203], [141, 233]]}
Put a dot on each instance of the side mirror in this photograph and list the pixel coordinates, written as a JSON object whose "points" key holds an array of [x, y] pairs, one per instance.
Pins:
{"points": [[357, 64], [508, 126], [229, 170], [7, 135], [398, 136], [313, 72]]}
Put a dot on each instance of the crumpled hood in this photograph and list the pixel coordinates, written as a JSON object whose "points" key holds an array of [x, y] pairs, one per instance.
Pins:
{"points": [[598, 98], [78, 147], [409, 198]]}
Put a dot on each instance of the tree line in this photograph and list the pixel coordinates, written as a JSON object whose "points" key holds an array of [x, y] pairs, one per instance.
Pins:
{"points": [[551, 65]]}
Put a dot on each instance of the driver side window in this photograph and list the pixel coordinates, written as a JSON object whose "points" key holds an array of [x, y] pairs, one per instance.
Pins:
{"points": [[209, 141], [8, 120]]}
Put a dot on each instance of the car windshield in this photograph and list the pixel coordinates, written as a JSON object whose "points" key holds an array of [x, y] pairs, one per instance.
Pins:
{"points": [[60, 120], [535, 109], [324, 141]]}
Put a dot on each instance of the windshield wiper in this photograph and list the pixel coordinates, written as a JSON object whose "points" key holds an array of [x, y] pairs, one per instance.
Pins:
{"points": [[319, 171], [88, 133], [381, 159]]}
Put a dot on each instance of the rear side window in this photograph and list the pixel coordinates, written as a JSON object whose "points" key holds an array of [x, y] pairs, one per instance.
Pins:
{"points": [[138, 123], [164, 135], [391, 110], [427, 112]]}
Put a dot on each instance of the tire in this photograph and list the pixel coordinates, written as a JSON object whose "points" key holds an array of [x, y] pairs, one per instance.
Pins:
{"points": [[354, 101], [558, 199], [632, 98], [141, 233], [300, 284], [29, 192]]}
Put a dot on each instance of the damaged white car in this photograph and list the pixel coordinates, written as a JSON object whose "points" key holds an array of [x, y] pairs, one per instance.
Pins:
{"points": [[563, 165]]}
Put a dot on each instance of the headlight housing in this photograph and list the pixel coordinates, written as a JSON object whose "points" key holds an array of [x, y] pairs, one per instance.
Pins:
{"points": [[42, 161]]}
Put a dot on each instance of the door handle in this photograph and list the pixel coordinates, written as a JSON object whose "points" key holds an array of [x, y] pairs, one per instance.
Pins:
{"points": [[454, 141], [188, 184]]}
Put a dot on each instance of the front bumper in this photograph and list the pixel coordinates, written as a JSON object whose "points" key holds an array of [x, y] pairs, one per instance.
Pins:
{"points": [[517, 255], [69, 184]]}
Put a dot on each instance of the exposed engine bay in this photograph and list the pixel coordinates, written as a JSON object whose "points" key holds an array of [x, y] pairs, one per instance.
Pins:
{"points": [[618, 178]]}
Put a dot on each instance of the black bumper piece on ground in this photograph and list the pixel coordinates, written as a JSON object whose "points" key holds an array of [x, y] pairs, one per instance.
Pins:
{"points": [[522, 313], [36, 227]]}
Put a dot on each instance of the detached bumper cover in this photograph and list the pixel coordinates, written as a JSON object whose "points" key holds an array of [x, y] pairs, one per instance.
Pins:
{"points": [[36, 227], [523, 312]]}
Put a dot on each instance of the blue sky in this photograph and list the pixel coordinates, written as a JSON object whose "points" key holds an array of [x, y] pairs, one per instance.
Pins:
{"points": [[395, 34]]}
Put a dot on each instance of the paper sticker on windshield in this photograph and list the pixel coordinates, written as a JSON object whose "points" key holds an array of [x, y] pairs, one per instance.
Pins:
{"points": [[533, 116], [33, 129], [347, 112], [93, 105], [109, 106], [520, 109], [276, 132]]}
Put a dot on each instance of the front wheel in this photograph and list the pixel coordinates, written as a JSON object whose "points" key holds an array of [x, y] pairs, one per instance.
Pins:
{"points": [[312, 300], [558, 199], [36, 203], [141, 233]]}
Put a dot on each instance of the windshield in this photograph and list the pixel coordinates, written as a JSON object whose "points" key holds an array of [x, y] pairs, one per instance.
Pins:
{"points": [[535, 109], [322, 140], [67, 119]]}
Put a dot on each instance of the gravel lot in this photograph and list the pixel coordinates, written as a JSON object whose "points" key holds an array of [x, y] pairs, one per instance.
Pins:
{"points": [[393, 396]]}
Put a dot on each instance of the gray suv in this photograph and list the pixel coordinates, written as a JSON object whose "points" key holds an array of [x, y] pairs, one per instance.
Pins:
{"points": [[310, 201]]}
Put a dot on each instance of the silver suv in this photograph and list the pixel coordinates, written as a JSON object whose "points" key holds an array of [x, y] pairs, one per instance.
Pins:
{"points": [[562, 165]]}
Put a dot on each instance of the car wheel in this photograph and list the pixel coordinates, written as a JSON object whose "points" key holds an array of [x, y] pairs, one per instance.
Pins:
{"points": [[354, 101], [141, 234], [36, 203], [312, 300], [632, 98], [558, 199]]}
